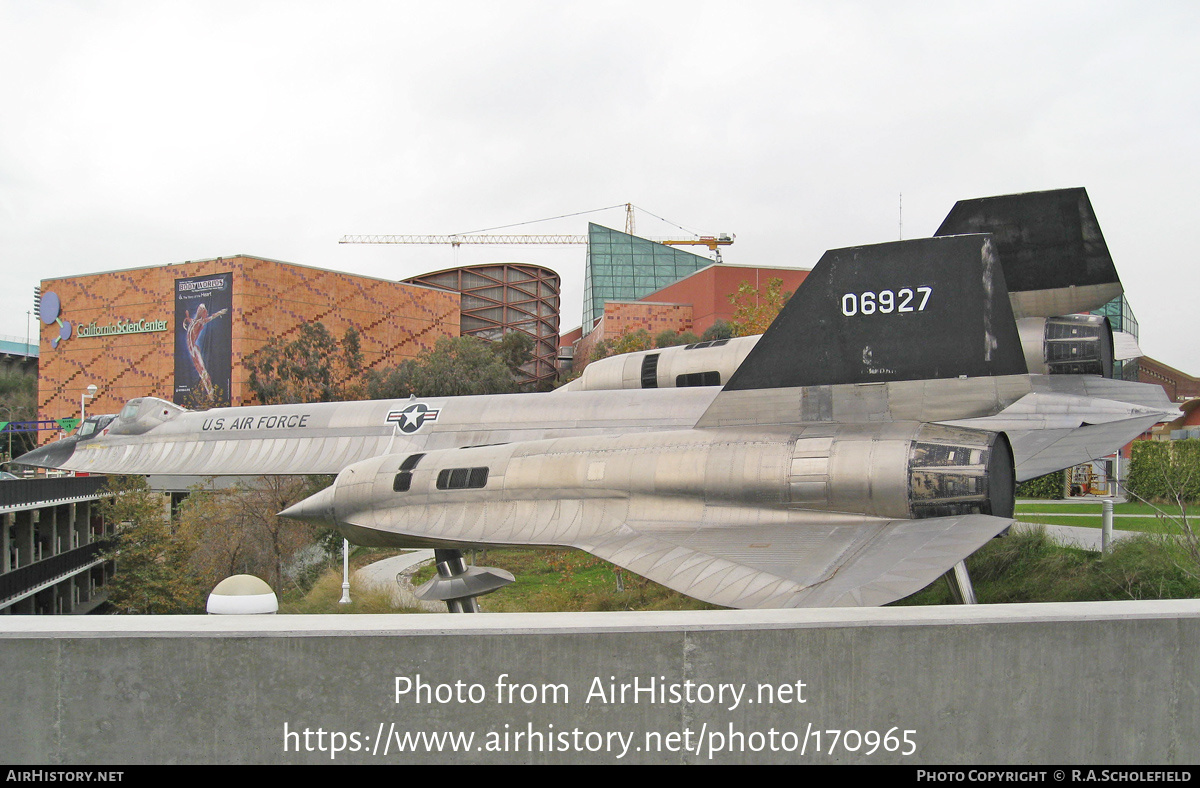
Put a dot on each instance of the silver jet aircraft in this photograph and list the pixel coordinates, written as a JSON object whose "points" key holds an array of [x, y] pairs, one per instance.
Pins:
{"points": [[866, 444]]}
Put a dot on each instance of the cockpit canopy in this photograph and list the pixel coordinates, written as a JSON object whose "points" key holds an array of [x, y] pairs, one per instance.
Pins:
{"points": [[92, 425], [143, 414]]}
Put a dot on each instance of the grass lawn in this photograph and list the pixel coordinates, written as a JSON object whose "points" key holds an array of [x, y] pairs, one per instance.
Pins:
{"points": [[1027, 566], [1064, 507], [1150, 525], [566, 580], [1137, 516], [1024, 567]]}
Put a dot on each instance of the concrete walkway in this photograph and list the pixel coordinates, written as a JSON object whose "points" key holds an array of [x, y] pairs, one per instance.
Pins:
{"points": [[393, 576], [1084, 538], [1049, 504], [1079, 537], [1093, 515], [1096, 499]]}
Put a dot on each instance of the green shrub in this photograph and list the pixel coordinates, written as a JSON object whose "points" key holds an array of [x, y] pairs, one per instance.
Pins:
{"points": [[1162, 470], [1029, 566], [1049, 486]]}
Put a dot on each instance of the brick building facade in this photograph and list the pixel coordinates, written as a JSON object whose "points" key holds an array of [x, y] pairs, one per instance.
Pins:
{"points": [[708, 290], [1179, 386], [270, 299], [694, 303], [622, 317]]}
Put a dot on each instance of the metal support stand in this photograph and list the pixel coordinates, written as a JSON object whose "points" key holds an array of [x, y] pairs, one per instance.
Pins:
{"points": [[450, 565], [458, 585], [960, 585]]}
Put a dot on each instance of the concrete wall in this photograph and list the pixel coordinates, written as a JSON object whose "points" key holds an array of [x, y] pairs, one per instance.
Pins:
{"points": [[1107, 683]]}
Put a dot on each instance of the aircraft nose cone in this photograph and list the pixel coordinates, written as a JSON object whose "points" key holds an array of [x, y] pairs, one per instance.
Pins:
{"points": [[52, 455], [316, 509]]}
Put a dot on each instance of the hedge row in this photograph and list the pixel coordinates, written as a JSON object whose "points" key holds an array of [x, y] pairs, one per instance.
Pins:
{"points": [[1048, 486], [1158, 470]]}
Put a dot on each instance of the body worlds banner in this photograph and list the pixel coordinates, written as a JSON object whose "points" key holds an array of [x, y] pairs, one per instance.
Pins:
{"points": [[203, 340]]}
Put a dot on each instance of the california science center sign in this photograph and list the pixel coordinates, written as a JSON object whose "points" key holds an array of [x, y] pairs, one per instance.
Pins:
{"points": [[122, 327]]}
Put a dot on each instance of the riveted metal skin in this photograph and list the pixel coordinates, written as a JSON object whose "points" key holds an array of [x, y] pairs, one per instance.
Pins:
{"points": [[1050, 245], [624, 371], [727, 506], [863, 446], [327, 436]]}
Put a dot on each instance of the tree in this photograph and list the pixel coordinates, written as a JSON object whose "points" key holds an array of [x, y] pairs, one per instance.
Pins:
{"points": [[718, 330], [165, 567], [313, 367], [353, 382], [632, 341], [235, 530], [456, 366], [627, 342], [1049, 486], [1166, 475], [671, 338], [219, 544], [666, 338], [151, 574], [18, 402], [515, 350], [754, 309]]}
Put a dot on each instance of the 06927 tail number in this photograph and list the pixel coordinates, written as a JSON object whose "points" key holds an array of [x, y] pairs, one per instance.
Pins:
{"points": [[886, 302]]}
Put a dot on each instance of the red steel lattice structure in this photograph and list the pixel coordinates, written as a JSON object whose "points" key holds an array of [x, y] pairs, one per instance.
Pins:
{"points": [[501, 297]]}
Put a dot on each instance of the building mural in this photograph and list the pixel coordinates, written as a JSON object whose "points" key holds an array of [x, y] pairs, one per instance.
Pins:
{"points": [[203, 340]]}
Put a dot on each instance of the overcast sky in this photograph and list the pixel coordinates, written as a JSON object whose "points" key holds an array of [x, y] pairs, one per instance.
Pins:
{"points": [[146, 133]]}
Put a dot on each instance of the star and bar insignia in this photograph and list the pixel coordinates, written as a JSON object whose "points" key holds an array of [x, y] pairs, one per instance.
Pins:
{"points": [[413, 417]]}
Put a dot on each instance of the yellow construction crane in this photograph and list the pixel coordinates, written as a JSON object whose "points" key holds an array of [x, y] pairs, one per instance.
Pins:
{"points": [[713, 242]]}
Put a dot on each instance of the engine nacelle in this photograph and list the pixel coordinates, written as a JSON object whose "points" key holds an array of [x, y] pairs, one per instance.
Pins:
{"points": [[1067, 345], [709, 363], [903, 471], [897, 470]]}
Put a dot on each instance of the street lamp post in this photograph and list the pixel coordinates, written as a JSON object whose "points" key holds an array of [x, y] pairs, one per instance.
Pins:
{"points": [[91, 394], [345, 600]]}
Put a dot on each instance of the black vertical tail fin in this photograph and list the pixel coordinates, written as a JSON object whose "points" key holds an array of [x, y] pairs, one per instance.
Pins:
{"points": [[1054, 256], [909, 310]]}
